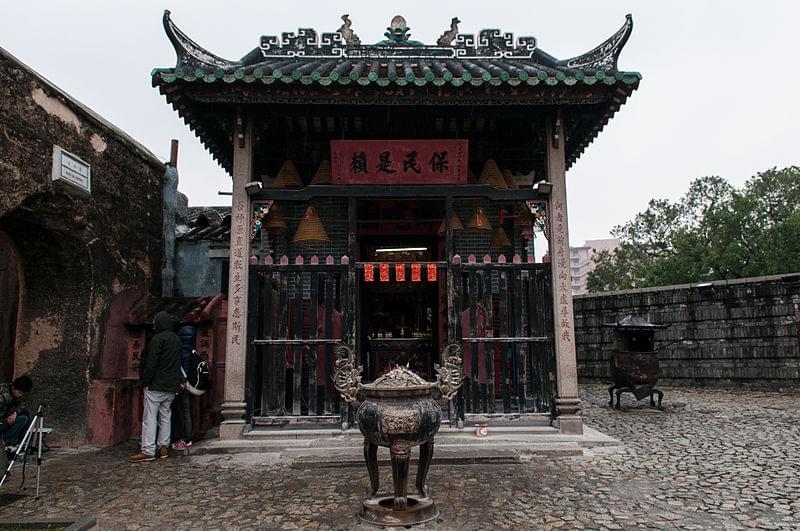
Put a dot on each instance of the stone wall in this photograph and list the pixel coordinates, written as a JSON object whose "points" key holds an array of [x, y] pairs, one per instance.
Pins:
{"points": [[78, 251], [731, 333]]}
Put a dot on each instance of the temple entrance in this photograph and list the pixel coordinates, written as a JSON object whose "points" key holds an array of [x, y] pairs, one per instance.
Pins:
{"points": [[400, 312]]}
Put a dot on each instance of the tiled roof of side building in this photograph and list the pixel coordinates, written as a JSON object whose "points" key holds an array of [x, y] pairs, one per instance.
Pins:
{"points": [[207, 223]]}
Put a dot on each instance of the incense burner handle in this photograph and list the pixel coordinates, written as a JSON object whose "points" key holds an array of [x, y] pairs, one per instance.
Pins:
{"points": [[450, 375], [347, 375]]}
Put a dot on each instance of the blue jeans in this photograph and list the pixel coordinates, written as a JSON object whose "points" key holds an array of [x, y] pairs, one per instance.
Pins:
{"points": [[12, 433]]}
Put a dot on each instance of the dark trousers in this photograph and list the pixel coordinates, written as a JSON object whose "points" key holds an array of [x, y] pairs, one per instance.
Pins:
{"points": [[182, 416], [12, 433]]}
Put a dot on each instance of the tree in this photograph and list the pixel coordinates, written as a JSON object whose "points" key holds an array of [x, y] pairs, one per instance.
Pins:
{"points": [[714, 232]]}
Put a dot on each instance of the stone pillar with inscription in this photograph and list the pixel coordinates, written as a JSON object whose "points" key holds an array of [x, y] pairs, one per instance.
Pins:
{"points": [[567, 403], [233, 409]]}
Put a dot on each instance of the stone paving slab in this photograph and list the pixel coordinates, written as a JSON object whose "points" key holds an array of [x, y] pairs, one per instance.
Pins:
{"points": [[714, 459]]}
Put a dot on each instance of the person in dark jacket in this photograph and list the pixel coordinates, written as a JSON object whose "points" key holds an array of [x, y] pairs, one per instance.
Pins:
{"points": [[13, 417], [182, 407], [160, 382]]}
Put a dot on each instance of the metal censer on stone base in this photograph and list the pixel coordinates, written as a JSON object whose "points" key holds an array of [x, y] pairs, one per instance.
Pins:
{"points": [[399, 410], [634, 360]]}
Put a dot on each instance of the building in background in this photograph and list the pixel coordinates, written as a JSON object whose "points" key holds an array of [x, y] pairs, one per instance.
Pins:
{"points": [[581, 261]]}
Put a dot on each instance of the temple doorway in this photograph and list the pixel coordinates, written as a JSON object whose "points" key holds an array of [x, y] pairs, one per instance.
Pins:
{"points": [[399, 307]]}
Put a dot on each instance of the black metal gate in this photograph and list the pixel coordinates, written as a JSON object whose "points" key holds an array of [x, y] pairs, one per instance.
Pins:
{"points": [[298, 312], [504, 320]]}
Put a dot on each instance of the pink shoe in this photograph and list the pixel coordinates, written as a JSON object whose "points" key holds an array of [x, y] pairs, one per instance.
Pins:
{"points": [[180, 445]]}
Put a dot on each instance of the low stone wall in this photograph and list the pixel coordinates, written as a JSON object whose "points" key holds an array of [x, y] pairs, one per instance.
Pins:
{"points": [[729, 333]]}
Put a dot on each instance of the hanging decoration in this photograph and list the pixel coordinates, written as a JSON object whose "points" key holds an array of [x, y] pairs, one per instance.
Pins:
{"points": [[275, 221], [323, 175], [400, 272], [455, 222], [310, 229], [384, 271], [432, 272], [416, 272], [369, 273], [287, 176], [479, 220]]}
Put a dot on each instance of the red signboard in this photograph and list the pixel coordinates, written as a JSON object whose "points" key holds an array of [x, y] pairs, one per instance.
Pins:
{"points": [[399, 161]]}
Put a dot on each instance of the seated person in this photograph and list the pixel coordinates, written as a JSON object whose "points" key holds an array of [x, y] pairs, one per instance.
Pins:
{"points": [[13, 416]]}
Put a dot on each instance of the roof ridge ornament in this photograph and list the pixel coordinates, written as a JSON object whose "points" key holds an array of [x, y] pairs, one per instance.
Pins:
{"points": [[450, 35], [605, 56], [189, 53], [398, 34], [348, 36]]}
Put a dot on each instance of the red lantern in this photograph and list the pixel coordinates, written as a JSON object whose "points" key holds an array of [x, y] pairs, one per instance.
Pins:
{"points": [[400, 272], [416, 272], [431, 272], [384, 272], [369, 273]]}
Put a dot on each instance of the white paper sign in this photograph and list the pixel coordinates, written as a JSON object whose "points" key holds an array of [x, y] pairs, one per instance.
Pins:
{"points": [[70, 169]]}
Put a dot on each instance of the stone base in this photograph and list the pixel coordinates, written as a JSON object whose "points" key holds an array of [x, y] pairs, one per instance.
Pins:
{"points": [[570, 424], [380, 511], [231, 429]]}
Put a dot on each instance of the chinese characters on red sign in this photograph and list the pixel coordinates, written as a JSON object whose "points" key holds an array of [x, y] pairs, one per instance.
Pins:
{"points": [[564, 290], [135, 351], [204, 341], [399, 161], [384, 271]]}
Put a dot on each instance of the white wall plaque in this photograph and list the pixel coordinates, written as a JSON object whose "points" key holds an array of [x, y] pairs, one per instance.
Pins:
{"points": [[70, 169]]}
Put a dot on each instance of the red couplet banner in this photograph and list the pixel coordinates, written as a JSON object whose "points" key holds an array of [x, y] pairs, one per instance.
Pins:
{"points": [[399, 161]]}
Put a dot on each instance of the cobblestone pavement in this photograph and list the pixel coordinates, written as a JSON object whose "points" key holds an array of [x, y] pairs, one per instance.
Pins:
{"points": [[713, 460]]}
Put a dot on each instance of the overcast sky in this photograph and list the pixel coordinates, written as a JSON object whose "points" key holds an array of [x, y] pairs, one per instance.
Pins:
{"points": [[719, 94]]}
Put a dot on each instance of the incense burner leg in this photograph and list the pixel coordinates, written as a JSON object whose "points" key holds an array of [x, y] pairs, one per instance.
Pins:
{"points": [[425, 457], [611, 395], [619, 393], [401, 455], [371, 457], [660, 396]]}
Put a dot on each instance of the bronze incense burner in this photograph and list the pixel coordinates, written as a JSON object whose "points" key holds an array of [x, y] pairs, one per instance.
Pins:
{"points": [[399, 410], [634, 360]]}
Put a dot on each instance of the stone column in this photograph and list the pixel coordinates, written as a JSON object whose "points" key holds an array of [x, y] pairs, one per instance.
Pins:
{"points": [[233, 409], [567, 403]]}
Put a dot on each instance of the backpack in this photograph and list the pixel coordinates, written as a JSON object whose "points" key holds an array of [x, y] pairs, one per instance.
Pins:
{"points": [[198, 381]]}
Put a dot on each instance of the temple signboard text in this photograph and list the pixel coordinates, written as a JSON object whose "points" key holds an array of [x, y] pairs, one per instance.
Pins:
{"points": [[399, 161]]}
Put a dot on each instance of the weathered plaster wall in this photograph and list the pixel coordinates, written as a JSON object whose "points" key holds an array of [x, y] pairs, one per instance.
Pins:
{"points": [[78, 251], [732, 333]]}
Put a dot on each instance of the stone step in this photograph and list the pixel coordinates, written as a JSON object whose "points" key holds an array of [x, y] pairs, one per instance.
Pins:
{"points": [[339, 434], [306, 446]]}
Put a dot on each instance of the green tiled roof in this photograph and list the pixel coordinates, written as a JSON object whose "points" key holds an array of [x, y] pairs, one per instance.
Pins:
{"points": [[304, 59]]}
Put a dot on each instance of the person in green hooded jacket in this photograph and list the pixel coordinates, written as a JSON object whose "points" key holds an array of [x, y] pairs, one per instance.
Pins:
{"points": [[160, 382]]}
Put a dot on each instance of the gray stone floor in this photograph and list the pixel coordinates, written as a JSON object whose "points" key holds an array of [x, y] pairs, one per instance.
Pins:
{"points": [[713, 460]]}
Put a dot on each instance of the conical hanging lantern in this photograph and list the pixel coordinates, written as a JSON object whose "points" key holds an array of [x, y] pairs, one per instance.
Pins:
{"points": [[288, 177], [323, 175], [500, 239], [479, 220], [455, 221], [491, 175], [507, 177], [524, 218], [275, 221], [310, 229]]}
